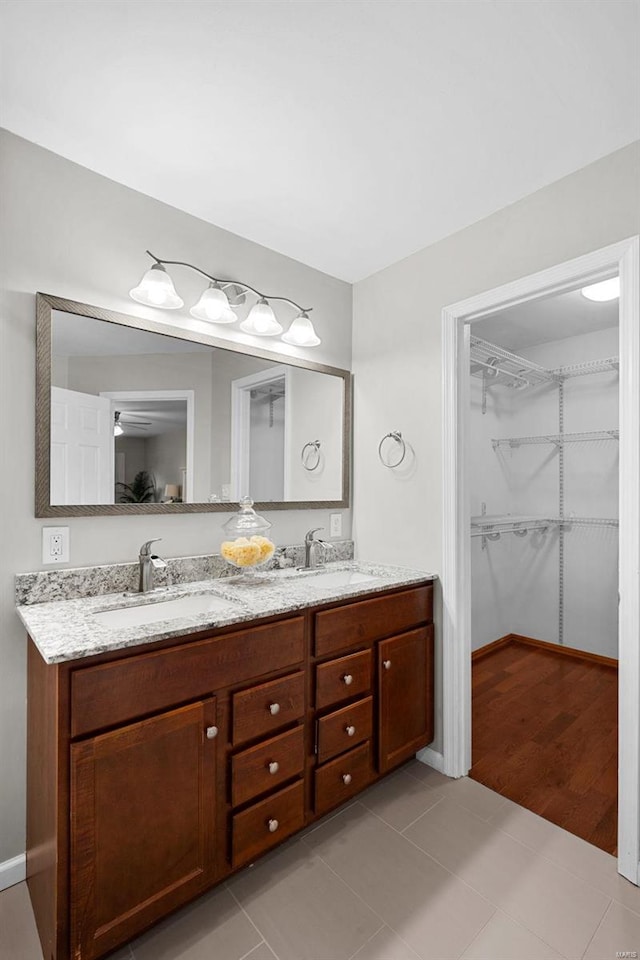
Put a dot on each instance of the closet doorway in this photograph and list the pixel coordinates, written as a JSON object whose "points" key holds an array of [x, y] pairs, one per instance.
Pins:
{"points": [[543, 469], [460, 322]]}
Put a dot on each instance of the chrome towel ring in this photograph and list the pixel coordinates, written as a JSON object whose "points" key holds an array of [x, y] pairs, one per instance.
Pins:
{"points": [[396, 436], [310, 456]]}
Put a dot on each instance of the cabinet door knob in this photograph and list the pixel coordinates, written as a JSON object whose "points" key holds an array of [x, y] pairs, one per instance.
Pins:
{"points": [[212, 733], [348, 679], [274, 766], [386, 664], [350, 731], [346, 779], [273, 825], [274, 708]]}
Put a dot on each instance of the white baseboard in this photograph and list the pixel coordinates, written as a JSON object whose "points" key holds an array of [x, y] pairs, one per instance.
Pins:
{"points": [[13, 871], [432, 758]]}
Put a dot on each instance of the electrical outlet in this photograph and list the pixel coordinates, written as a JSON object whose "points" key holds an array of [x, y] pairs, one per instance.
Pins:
{"points": [[336, 525], [55, 544]]}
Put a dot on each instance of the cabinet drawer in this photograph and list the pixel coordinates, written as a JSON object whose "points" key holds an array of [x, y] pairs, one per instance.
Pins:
{"points": [[267, 823], [131, 687], [265, 766], [342, 679], [343, 729], [342, 778], [267, 706], [372, 619]]}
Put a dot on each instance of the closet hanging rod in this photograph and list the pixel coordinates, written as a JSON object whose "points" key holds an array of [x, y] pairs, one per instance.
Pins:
{"points": [[498, 370]]}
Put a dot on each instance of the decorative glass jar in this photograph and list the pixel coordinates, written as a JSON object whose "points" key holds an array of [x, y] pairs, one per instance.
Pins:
{"points": [[247, 546]]}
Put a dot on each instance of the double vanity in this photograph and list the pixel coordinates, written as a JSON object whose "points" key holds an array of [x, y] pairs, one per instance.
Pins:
{"points": [[175, 737]]}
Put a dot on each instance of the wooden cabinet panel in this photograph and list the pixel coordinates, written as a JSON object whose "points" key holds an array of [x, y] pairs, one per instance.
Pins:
{"points": [[265, 766], [116, 692], [340, 779], [343, 729], [267, 823], [142, 825], [343, 679], [267, 706], [367, 620], [405, 691]]}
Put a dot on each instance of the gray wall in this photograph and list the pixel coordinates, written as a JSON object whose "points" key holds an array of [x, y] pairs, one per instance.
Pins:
{"points": [[67, 231], [397, 346]]}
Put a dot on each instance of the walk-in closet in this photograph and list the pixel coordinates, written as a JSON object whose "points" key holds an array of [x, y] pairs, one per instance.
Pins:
{"points": [[543, 464]]}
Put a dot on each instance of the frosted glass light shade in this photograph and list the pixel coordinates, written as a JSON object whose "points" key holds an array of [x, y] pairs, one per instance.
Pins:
{"points": [[603, 291], [301, 333], [261, 321], [156, 289], [213, 306]]}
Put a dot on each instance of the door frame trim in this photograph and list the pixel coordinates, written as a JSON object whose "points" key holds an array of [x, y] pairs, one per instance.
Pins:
{"points": [[622, 258]]}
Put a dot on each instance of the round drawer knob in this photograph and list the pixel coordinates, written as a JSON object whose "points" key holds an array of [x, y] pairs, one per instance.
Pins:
{"points": [[274, 708], [274, 766], [273, 825], [212, 733], [348, 679], [350, 731], [346, 779], [386, 664]]}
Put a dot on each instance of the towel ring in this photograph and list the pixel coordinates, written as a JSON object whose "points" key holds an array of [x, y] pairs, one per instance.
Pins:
{"points": [[307, 459], [397, 436]]}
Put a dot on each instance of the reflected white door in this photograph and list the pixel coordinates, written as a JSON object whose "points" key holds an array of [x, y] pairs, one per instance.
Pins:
{"points": [[81, 448]]}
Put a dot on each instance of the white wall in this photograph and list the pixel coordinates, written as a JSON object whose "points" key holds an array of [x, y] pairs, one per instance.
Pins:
{"points": [[397, 350], [515, 581], [67, 231], [313, 403]]}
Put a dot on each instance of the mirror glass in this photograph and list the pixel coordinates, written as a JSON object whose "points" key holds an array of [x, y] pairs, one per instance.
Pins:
{"points": [[143, 417]]}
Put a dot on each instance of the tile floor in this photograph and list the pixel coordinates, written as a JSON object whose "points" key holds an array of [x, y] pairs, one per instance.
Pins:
{"points": [[418, 867]]}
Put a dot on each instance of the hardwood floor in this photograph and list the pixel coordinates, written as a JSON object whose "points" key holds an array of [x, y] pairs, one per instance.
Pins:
{"points": [[545, 734]]}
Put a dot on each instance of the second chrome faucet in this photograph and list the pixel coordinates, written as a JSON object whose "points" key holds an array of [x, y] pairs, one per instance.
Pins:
{"points": [[311, 548], [149, 562]]}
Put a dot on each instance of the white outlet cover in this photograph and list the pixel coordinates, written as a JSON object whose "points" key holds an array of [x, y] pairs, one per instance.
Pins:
{"points": [[48, 535], [336, 525]]}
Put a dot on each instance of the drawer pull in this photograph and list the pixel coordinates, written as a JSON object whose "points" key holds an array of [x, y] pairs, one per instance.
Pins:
{"points": [[274, 708], [273, 825], [274, 766], [212, 733], [386, 664], [348, 679], [350, 730], [346, 779]]}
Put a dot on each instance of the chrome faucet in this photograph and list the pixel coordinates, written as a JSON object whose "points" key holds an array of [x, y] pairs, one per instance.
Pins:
{"points": [[311, 546], [148, 563]]}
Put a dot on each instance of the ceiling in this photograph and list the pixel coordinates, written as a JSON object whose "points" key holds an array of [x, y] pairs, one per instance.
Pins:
{"points": [[74, 336], [346, 134], [144, 418], [547, 319]]}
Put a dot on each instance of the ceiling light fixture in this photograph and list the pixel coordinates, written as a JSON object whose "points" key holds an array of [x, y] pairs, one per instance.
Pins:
{"points": [[156, 290], [117, 426], [603, 291]]}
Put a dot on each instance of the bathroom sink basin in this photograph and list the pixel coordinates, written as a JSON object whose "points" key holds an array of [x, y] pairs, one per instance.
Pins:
{"points": [[144, 613], [338, 578]]}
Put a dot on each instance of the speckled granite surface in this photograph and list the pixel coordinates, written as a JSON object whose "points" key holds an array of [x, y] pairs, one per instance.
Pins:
{"points": [[75, 582], [68, 630]]}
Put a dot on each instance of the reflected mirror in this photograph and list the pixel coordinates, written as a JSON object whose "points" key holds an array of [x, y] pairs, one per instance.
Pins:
{"points": [[134, 416]]}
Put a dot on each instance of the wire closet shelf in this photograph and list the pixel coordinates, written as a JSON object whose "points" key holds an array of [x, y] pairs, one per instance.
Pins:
{"points": [[499, 367]]}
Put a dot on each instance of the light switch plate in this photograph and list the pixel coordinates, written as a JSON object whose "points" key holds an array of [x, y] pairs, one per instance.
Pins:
{"points": [[55, 544], [336, 525]]}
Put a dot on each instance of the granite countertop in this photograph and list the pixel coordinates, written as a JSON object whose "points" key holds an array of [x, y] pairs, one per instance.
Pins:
{"points": [[66, 630]]}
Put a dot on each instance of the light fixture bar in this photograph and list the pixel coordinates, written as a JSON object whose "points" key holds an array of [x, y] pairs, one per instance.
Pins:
{"points": [[238, 283]]}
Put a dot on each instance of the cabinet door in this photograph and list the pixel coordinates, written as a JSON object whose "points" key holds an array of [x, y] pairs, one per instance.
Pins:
{"points": [[405, 696], [142, 824]]}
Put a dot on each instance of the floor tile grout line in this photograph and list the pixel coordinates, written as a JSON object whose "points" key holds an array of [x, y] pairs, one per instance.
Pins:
{"points": [[602, 919], [385, 922], [483, 927], [397, 830], [366, 941], [254, 925], [495, 905], [249, 952]]}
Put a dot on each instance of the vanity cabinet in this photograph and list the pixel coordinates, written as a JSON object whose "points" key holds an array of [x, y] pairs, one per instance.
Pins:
{"points": [[157, 771]]}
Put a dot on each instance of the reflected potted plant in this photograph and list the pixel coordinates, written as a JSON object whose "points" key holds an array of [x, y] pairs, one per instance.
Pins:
{"points": [[142, 490]]}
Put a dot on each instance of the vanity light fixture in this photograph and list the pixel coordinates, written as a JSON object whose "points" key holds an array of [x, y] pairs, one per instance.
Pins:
{"points": [[215, 305], [603, 291]]}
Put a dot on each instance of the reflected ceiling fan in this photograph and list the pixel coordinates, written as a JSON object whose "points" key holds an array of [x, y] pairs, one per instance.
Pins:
{"points": [[129, 420]]}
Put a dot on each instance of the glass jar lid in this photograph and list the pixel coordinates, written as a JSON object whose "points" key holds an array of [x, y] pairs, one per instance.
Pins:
{"points": [[246, 522]]}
